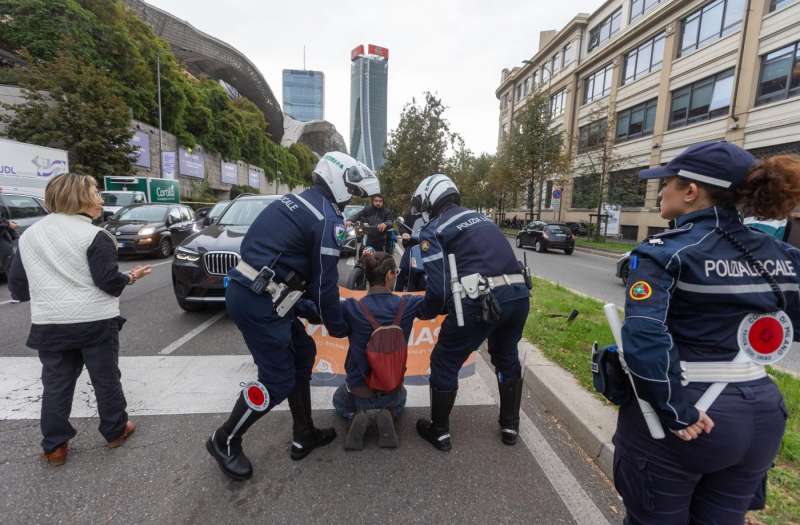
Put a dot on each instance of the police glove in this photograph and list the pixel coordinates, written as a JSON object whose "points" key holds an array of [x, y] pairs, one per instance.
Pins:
{"points": [[491, 311]]}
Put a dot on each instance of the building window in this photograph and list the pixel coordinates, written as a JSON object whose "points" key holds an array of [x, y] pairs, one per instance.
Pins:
{"points": [[703, 100], [557, 103], [592, 135], [625, 188], [712, 22], [640, 7], [774, 5], [567, 55], [505, 101], [780, 75], [548, 195], [545, 74], [603, 31], [525, 87], [584, 191], [644, 59], [555, 63], [519, 92], [637, 121], [598, 84]]}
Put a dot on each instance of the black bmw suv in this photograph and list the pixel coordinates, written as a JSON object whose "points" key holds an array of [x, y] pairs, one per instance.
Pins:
{"points": [[203, 260]]}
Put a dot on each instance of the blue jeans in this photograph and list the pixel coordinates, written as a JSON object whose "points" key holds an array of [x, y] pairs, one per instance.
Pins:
{"points": [[346, 404]]}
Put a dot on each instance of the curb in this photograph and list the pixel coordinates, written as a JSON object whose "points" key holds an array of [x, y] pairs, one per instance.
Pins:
{"points": [[602, 253], [587, 419]]}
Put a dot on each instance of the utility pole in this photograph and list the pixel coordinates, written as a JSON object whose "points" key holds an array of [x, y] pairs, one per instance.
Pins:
{"points": [[160, 128]]}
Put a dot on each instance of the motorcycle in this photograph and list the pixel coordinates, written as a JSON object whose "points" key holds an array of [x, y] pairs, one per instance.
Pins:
{"points": [[357, 279]]}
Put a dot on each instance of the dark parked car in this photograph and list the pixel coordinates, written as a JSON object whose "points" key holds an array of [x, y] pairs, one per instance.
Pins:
{"points": [[151, 229], [23, 210], [542, 237], [623, 267], [578, 228], [203, 260]]}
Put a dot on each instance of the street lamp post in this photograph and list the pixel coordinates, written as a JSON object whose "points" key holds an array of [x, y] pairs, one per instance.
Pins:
{"points": [[160, 128]]}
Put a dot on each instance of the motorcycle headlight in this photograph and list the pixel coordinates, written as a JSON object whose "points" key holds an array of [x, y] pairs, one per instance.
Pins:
{"points": [[144, 232], [185, 254]]}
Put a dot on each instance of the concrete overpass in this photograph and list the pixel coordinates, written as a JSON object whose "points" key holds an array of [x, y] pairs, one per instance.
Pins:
{"points": [[205, 55]]}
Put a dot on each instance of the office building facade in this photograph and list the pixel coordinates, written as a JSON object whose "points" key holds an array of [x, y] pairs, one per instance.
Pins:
{"points": [[650, 78], [369, 78], [304, 94]]}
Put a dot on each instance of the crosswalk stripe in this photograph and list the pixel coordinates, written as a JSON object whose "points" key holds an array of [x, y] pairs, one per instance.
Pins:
{"points": [[156, 385]]}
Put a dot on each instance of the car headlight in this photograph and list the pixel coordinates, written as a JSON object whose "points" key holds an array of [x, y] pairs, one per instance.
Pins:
{"points": [[144, 232], [185, 254]]}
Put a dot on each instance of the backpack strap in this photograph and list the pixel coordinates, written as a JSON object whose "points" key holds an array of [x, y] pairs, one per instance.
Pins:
{"points": [[370, 318], [400, 311]]}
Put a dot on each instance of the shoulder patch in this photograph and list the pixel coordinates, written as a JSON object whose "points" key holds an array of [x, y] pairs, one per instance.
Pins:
{"points": [[640, 290], [425, 245], [340, 232]]}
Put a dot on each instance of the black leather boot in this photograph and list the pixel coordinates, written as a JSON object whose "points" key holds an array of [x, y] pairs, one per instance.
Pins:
{"points": [[437, 430], [225, 444], [305, 436], [510, 399]]}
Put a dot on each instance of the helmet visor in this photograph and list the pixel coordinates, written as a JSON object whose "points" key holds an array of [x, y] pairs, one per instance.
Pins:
{"points": [[416, 205]]}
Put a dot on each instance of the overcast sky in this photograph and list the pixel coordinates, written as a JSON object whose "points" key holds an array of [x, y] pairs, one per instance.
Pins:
{"points": [[454, 48]]}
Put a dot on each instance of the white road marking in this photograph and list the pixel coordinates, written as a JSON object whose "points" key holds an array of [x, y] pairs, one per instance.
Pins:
{"points": [[579, 504], [178, 385], [10, 301], [191, 335]]}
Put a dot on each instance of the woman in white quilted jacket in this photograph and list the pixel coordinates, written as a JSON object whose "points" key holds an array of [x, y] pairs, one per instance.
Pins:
{"points": [[67, 268]]}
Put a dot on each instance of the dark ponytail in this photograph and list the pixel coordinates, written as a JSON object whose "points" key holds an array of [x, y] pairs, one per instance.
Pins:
{"points": [[376, 265]]}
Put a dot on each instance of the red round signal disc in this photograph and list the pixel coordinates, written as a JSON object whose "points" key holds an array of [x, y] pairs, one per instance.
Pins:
{"points": [[766, 338], [256, 396]]}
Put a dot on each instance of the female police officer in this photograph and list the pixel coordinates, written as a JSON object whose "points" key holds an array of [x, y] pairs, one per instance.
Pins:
{"points": [[291, 250], [700, 298]]}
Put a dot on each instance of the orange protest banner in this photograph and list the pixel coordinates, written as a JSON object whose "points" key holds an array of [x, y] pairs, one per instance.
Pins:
{"points": [[331, 351]]}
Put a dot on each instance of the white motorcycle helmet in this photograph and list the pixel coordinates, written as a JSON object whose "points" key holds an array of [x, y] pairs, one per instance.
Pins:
{"points": [[430, 191], [345, 177]]}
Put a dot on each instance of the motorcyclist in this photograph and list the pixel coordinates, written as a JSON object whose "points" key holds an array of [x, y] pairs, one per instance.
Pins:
{"points": [[380, 221]]}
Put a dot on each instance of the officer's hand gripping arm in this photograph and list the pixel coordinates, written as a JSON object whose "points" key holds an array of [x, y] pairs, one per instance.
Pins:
{"points": [[650, 353]]}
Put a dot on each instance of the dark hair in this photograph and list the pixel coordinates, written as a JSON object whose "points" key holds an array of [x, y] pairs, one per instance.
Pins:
{"points": [[770, 191], [376, 265]]}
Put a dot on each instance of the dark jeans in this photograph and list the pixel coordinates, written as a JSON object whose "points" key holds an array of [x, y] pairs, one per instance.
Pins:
{"points": [[717, 477], [60, 372], [6, 252], [346, 404]]}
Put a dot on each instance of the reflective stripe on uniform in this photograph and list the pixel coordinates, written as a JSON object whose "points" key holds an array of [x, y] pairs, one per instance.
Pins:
{"points": [[734, 288], [329, 251], [308, 205], [452, 219], [431, 258]]}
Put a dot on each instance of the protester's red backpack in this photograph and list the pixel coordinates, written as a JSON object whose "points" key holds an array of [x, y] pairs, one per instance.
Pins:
{"points": [[387, 351]]}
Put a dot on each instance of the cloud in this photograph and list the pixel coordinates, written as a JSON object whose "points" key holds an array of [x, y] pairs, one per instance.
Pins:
{"points": [[453, 48]]}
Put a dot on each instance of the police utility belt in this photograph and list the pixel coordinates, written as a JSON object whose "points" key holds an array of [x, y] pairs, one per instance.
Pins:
{"points": [[264, 282], [720, 372], [476, 285]]}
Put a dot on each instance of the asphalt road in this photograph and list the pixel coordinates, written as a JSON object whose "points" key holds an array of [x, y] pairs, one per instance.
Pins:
{"points": [[181, 374]]}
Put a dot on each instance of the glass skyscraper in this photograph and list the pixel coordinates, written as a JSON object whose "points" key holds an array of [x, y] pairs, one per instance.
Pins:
{"points": [[369, 78], [304, 94]]}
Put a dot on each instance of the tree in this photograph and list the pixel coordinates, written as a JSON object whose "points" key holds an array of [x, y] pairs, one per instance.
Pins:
{"points": [[598, 164], [71, 104], [417, 148], [535, 148], [306, 161], [503, 184]]}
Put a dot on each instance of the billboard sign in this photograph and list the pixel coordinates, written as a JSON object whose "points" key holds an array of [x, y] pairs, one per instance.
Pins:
{"points": [[357, 51], [612, 212], [379, 51], [168, 164], [228, 173], [254, 177], [191, 164], [141, 141]]}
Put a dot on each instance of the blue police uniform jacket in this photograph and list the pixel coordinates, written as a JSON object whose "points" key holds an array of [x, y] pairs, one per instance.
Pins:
{"points": [[479, 247], [688, 290], [301, 233], [383, 306]]}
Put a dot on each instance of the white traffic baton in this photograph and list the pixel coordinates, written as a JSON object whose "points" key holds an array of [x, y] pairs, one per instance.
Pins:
{"points": [[650, 416]]}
